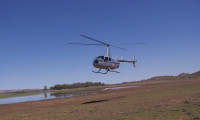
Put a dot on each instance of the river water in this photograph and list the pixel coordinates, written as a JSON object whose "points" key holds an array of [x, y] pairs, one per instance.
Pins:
{"points": [[52, 95]]}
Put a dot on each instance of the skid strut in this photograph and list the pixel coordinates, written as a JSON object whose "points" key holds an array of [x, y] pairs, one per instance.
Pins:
{"points": [[101, 72], [108, 69]]}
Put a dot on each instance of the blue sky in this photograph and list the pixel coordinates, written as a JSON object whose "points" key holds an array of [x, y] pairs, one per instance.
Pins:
{"points": [[34, 33]]}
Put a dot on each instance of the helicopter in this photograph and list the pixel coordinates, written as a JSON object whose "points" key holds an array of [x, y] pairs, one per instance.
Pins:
{"points": [[107, 62]]}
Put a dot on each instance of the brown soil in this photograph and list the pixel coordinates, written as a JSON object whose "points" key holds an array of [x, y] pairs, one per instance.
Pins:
{"points": [[175, 99]]}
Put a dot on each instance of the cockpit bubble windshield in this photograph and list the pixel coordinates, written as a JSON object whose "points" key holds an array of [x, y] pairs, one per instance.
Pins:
{"points": [[99, 59], [102, 57]]}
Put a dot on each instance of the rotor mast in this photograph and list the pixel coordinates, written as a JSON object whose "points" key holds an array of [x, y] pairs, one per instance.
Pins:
{"points": [[108, 51]]}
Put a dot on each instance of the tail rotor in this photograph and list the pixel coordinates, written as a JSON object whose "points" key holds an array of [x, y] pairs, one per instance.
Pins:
{"points": [[134, 61]]}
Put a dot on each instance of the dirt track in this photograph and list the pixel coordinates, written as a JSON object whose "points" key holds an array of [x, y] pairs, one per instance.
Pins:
{"points": [[178, 99]]}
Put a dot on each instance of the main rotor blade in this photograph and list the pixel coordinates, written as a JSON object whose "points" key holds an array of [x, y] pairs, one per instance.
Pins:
{"points": [[102, 43], [117, 47], [84, 44], [95, 44], [131, 44], [93, 39]]}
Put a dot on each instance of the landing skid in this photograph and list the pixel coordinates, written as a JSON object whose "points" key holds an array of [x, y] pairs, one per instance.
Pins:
{"points": [[115, 71], [100, 72], [106, 71]]}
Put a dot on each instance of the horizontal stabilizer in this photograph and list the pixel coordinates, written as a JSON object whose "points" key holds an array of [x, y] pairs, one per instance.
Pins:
{"points": [[128, 61]]}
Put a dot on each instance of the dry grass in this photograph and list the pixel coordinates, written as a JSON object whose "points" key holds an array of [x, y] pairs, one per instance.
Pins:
{"points": [[177, 99]]}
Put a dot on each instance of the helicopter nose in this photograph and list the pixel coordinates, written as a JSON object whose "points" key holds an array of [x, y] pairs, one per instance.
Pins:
{"points": [[96, 64], [95, 61]]}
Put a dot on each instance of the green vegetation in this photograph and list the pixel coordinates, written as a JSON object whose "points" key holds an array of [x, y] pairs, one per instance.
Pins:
{"points": [[17, 94], [76, 85]]}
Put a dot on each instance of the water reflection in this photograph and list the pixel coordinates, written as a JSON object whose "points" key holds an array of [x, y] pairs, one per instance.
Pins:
{"points": [[124, 87], [61, 94], [64, 94], [45, 95], [119, 87]]}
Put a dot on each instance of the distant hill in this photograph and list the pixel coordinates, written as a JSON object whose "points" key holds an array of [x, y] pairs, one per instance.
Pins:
{"points": [[180, 76]]}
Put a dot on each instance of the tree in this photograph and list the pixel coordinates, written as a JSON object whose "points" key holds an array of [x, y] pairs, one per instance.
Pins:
{"points": [[45, 88], [75, 85]]}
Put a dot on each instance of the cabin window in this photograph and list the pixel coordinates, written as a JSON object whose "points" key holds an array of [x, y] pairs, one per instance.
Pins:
{"points": [[106, 59], [102, 59]]}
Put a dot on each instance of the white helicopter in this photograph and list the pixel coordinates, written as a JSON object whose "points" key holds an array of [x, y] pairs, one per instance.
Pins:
{"points": [[106, 62]]}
